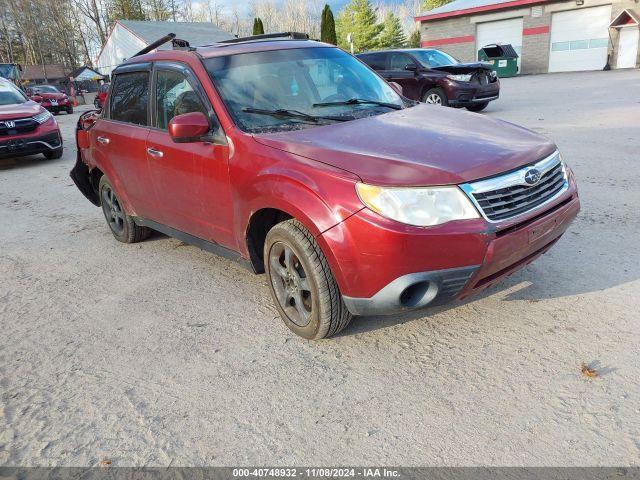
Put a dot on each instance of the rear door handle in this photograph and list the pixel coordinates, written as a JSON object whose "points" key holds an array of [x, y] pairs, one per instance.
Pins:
{"points": [[103, 140], [155, 153]]}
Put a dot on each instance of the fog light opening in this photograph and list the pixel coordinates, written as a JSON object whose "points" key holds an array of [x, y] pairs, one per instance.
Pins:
{"points": [[414, 295]]}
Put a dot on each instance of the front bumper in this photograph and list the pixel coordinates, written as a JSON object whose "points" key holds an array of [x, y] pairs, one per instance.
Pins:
{"points": [[30, 145], [462, 95], [383, 267], [60, 107]]}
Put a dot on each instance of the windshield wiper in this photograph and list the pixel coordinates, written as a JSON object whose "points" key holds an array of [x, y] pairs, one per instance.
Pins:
{"points": [[359, 101], [285, 113]]}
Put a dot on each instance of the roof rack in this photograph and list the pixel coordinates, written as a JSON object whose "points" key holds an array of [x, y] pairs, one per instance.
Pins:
{"points": [[268, 36], [156, 44]]}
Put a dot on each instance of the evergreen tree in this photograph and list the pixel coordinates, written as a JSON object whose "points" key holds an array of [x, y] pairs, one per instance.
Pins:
{"points": [[431, 4], [414, 39], [258, 28], [328, 26], [392, 35], [359, 19]]}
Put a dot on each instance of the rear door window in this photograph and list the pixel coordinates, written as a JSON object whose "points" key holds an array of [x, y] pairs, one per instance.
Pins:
{"points": [[130, 98]]}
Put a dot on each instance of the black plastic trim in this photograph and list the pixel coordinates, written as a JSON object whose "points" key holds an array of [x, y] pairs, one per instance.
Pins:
{"points": [[195, 241]]}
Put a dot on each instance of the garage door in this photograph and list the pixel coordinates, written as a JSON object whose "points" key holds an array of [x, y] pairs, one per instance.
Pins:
{"points": [[579, 39], [502, 31]]}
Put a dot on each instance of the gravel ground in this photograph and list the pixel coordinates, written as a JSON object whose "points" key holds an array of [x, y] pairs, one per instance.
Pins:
{"points": [[161, 354]]}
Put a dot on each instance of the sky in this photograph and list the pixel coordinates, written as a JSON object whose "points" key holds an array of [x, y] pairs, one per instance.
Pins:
{"points": [[335, 4]]}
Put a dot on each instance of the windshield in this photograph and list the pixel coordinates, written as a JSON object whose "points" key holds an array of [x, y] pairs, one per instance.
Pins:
{"points": [[46, 89], [283, 89], [433, 58], [10, 95]]}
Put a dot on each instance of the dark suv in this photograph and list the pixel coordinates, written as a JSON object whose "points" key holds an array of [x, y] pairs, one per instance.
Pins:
{"points": [[298, 160], [431, 76]]}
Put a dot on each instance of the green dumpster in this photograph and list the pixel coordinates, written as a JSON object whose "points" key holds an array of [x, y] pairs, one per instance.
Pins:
{"points": [[502, 56]]}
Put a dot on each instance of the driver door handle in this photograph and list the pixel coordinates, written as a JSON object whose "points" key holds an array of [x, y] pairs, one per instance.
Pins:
{"points": [[103, 140], [154, 153]]}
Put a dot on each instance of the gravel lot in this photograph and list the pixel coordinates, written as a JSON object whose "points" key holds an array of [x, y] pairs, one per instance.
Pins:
{"points": [[161, 354]]}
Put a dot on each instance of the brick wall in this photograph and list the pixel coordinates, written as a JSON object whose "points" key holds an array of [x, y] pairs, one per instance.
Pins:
{"points": [[535, 43], [459, 30]]}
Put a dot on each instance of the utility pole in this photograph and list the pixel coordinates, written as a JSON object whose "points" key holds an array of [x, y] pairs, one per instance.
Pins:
{"points": [[350, 41]]}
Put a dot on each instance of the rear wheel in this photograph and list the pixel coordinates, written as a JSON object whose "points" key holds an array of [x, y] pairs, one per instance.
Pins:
{"points": [[122, 225], [435, 96], [478, 107], [302, 285]]}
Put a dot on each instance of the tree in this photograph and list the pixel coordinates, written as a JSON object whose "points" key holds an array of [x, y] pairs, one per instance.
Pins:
{"points": [[359, 19], [431, 4], [328, 26], [414, 39], [128, 10], [392, 35], [258, 28]]}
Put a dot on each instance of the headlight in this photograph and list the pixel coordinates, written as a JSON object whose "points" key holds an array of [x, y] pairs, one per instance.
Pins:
{"points": [[461, 77], [42, 117], [420, 206]]}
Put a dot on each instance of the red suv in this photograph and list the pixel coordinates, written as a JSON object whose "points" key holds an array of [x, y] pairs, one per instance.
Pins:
{"points": [[298, 160], [51, 98], [25, 127]]}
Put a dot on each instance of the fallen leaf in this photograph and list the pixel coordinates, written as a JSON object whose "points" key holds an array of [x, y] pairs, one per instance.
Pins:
{"points": [[105, 462], [588, 372]]}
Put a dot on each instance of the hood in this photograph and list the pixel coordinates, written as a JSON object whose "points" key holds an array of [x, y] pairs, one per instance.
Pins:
{"points": [[464, 67], [422, 145], [52, 96], [20, 110]]}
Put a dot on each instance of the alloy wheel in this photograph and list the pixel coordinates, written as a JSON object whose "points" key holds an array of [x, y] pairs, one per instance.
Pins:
{"points": [[434, 99], [112, 210], [290, 283]]}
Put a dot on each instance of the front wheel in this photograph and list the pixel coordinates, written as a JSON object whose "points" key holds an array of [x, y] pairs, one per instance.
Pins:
{"points": [[435, 96], [70, 110], [478, 107], [302, 286]]}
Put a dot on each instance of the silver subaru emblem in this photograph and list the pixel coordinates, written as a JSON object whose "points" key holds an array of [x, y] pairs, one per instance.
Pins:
{"points": [[9, 123], [532, 176]]}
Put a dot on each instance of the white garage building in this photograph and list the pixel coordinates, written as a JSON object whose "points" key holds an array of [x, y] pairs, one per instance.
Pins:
{"points": [[549, 36], [130, 36]]}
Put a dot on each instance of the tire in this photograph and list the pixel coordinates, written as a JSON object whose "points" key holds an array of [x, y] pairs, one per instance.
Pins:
{"points": [[478, 107], [70, 110], [54, 154], [303, 273], [435, 96], [121, 225]]}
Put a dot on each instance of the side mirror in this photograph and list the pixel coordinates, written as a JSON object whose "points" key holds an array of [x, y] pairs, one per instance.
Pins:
{"points": [[397, 87], [189, 127], [412, 67]]}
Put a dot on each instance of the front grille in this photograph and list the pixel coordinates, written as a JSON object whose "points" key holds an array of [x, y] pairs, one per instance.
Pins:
{"points": [[21, 125], [512, 196]]}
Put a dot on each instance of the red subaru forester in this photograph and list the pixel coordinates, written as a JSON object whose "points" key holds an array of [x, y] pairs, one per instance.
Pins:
{"points": [[297, 159], [26, 128]]}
